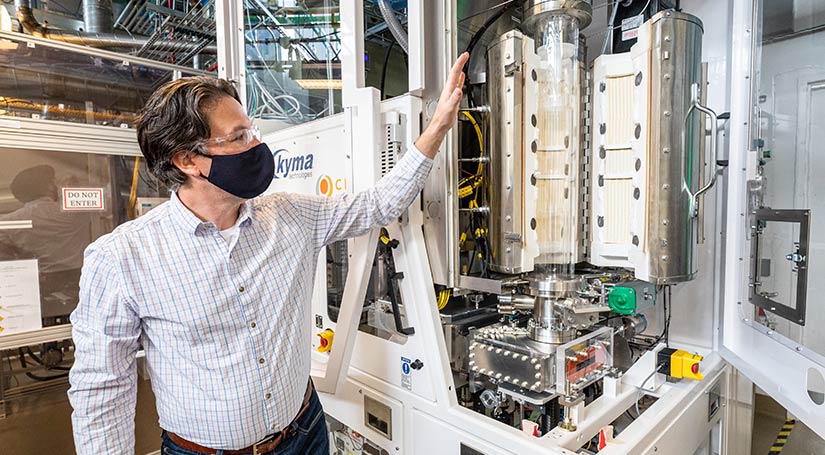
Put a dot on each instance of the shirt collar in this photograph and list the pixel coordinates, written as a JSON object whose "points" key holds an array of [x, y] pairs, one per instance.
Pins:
{"points": [[191, 223]]}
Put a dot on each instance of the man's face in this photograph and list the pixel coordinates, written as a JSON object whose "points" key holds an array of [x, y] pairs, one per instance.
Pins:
{"points": [[228, 124]]}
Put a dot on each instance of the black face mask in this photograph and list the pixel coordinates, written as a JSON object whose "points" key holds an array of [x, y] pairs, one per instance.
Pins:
{"points": [[245, 175]]}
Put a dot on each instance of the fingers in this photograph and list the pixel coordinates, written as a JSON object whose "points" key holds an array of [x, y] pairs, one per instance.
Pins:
{"points": [[456, 77], [456, 98]]}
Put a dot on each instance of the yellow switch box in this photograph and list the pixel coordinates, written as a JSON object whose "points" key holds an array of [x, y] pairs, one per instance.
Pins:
{"points": [[680, 364], [325, 342]]}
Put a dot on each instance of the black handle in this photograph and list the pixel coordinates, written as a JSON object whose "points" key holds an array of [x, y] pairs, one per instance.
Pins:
{"points": [[395, 298]]}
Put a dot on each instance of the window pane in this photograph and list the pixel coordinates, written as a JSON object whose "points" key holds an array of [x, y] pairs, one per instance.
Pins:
{"points": [[31, 192]]}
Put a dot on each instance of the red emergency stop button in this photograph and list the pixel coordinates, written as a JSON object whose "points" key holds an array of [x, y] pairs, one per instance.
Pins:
{"points": [[694, 368], [325, 340]]}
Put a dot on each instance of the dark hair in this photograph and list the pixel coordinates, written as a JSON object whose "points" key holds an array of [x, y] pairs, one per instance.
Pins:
{"points": [[33, 183], [174, 119]]}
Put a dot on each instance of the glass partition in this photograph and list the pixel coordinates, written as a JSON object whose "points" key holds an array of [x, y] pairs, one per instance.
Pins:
{"points": [[292, 59], [53, 205], [50, 81], [787, 132]]}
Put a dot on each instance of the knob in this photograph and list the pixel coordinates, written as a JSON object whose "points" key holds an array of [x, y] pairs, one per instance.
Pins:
{"points": [[325, 340]]}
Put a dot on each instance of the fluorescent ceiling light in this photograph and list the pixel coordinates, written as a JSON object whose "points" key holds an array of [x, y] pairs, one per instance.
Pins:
{"points": [[320, 84]]}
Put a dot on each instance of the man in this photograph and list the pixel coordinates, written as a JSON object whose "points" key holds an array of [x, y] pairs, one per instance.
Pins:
{"points": [[215, 285]]}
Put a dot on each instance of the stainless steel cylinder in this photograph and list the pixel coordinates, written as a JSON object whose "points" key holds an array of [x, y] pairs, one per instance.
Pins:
{"points": [[581, 10], [673, 146], [548, 323], [504, 172], [97, 16]]}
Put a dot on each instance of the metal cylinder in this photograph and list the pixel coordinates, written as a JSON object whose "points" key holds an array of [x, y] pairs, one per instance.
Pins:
{"points": [[547, 324], [581, 10], [504, 172], [673, 161], [97, 16]]}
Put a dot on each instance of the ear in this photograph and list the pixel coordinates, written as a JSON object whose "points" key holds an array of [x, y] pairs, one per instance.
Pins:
{"points": [[191, 164]]}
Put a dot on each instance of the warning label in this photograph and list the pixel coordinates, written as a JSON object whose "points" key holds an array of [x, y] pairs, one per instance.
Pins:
{"points": [[83, 199], [406, 377], [630, 27]]}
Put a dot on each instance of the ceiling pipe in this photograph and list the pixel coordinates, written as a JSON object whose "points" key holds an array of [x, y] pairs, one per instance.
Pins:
{"points": [[98, 16], [25, 16]]}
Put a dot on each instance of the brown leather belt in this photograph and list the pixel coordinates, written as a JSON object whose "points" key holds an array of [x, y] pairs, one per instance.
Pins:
{"points": [[267, 444]]}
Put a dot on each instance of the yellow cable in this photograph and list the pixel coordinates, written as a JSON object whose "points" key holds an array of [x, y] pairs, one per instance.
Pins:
{"points": [[479, 135], [130, 211], [443, 299]]}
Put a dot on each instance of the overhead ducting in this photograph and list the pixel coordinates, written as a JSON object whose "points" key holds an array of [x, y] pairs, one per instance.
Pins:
{"points": [[109, 40], [97, 16]]}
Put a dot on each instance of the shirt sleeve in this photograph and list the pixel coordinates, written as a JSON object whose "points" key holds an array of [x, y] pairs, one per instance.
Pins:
{"points": [[350, 215], [103, 379]]}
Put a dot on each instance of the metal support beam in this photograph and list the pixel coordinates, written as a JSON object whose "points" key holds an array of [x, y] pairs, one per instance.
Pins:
{"points": [[229, 26]]}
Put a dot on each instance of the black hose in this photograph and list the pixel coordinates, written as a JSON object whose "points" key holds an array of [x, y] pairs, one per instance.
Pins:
{"points": [[46, 378], [384, 69], [24, 364], [477, 37]]}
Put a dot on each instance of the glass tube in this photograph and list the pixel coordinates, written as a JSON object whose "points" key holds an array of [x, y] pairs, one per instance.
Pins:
{"points": [[558, 150]]}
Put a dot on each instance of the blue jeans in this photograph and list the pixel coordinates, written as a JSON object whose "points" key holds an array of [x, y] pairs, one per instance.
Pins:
{"points": [[308, 437]]}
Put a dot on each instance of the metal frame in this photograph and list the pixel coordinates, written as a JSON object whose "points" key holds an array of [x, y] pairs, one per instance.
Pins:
{"points": [[229, 26], [802, 218], [362, 118], [440, 201], [27, 133]]}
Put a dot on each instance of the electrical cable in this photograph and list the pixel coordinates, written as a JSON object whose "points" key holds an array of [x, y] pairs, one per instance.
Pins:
{"points": [[612, 21], [484, 11], [33, 376], [477, 176], [384, 70], [505, 7], [269, 98], [642, 387], [667, 314], [37, 359]]}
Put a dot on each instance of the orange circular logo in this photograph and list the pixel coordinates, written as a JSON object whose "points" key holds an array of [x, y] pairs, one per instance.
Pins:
{"points": [[324, 186]]}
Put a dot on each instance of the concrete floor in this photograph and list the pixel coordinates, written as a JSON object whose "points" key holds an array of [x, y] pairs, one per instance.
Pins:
{"points": [[42, 424], [768, 420]]}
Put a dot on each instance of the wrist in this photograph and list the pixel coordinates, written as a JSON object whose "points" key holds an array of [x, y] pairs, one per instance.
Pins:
{"points": [[435, 132]]}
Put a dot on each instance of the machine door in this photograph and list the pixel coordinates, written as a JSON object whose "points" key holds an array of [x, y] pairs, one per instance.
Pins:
{"points": [[773, 279]]}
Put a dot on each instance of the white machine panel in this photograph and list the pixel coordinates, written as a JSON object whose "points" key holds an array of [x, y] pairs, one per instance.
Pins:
{"points": [[789, 370]]}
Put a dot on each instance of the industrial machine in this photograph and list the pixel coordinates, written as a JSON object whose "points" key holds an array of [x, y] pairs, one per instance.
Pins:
{"points": [[558, 289], [597, 263]]}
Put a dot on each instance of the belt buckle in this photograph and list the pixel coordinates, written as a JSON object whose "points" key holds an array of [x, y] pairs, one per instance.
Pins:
{"points": [[263, 441]]}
